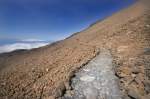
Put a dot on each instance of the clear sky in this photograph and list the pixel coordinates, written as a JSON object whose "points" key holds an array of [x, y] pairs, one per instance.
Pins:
{"points": [[52, 19]]}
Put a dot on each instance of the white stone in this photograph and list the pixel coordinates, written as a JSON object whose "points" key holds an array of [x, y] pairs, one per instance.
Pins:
{"points": [[122, 48], [87, 78], [86, 70]]}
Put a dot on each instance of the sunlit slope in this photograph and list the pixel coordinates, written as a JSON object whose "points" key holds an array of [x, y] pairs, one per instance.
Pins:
{"points": [[45, 72]]}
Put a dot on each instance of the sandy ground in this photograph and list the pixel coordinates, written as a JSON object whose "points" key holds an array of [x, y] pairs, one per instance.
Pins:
{"points": [[45, 73]]}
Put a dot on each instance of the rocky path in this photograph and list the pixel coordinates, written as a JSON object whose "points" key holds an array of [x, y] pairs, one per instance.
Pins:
{"points": [[44, 73], [96, 80]]}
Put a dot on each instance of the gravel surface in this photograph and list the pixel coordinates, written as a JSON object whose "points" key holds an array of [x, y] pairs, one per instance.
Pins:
{"points": [[96, 80], [45, 73]]}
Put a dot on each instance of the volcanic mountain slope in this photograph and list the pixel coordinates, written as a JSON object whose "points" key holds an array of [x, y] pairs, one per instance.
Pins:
{"points": [[45, 73]]}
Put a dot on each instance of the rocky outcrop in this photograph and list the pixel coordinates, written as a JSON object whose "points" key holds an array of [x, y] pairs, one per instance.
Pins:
{"points": [[96, 80]]}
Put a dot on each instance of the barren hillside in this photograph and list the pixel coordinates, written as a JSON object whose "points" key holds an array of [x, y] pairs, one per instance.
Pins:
{"points": [[45, 73]]}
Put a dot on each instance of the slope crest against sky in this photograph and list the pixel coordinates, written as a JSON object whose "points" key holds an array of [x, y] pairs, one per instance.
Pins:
{"points": [[52, 19]]}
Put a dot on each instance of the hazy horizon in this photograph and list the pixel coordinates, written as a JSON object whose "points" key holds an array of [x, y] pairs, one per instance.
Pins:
{"points": [[50, 20]]}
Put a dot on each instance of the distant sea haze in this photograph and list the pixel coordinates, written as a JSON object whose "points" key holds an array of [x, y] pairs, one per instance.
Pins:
{"points": [[50, 20], [9, 46]]}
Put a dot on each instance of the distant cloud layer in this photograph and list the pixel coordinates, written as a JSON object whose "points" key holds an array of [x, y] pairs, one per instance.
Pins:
{"points": [[15, 46], [32, 40]]}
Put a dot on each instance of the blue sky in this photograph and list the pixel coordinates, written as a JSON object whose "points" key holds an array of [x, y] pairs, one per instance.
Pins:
{"points": [[52, 19]]}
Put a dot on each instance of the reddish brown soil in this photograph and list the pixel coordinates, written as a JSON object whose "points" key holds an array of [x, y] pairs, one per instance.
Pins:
{"points": [[44, 73]]}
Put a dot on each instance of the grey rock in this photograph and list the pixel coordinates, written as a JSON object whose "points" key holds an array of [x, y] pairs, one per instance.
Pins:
{"points": [[126, 97], [147, 86], [146, 96], [135, 70], [133, 94], [60, 90], [147, 25], [147, 51], [138, 80], [69, 93], [96, 80], [68, 87]]}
